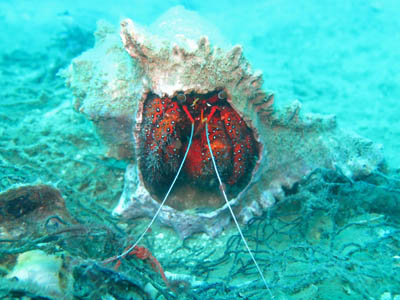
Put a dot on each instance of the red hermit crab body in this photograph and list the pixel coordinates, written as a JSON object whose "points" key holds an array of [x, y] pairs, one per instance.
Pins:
{"points": [[165, 131]]}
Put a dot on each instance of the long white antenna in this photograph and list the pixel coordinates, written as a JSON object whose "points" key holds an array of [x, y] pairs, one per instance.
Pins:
{"points": [[123, 254], [233, 215]]}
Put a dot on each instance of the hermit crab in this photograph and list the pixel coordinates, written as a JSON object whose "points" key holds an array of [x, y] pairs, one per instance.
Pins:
{"points": [[165, 136], [205, 144]]}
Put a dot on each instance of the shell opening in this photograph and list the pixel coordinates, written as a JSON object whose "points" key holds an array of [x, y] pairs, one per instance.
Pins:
{"points": [[163, 139]]}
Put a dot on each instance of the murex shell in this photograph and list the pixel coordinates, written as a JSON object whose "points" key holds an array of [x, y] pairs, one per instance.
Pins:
{"points": [[111, 82]]}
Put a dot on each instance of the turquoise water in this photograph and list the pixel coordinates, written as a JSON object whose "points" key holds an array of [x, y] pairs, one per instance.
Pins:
{"points": [[333, 238], [336, 57]]}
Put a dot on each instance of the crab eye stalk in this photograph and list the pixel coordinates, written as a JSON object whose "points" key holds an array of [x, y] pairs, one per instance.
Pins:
{"points": [[181, 97], [222, 95]]}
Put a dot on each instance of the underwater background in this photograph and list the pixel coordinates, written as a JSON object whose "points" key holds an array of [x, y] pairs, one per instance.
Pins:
{"points": [[333, 238]]}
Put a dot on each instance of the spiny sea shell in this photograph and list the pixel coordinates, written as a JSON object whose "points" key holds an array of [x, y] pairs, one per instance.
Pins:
{"points": [[111, 82]]}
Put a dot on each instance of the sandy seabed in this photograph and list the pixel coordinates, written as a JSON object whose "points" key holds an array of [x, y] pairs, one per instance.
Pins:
{"points": [[336, 57]]}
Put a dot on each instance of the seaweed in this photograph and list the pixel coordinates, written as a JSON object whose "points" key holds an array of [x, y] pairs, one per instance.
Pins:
{"points": [[331, 238], [332, 232]]}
